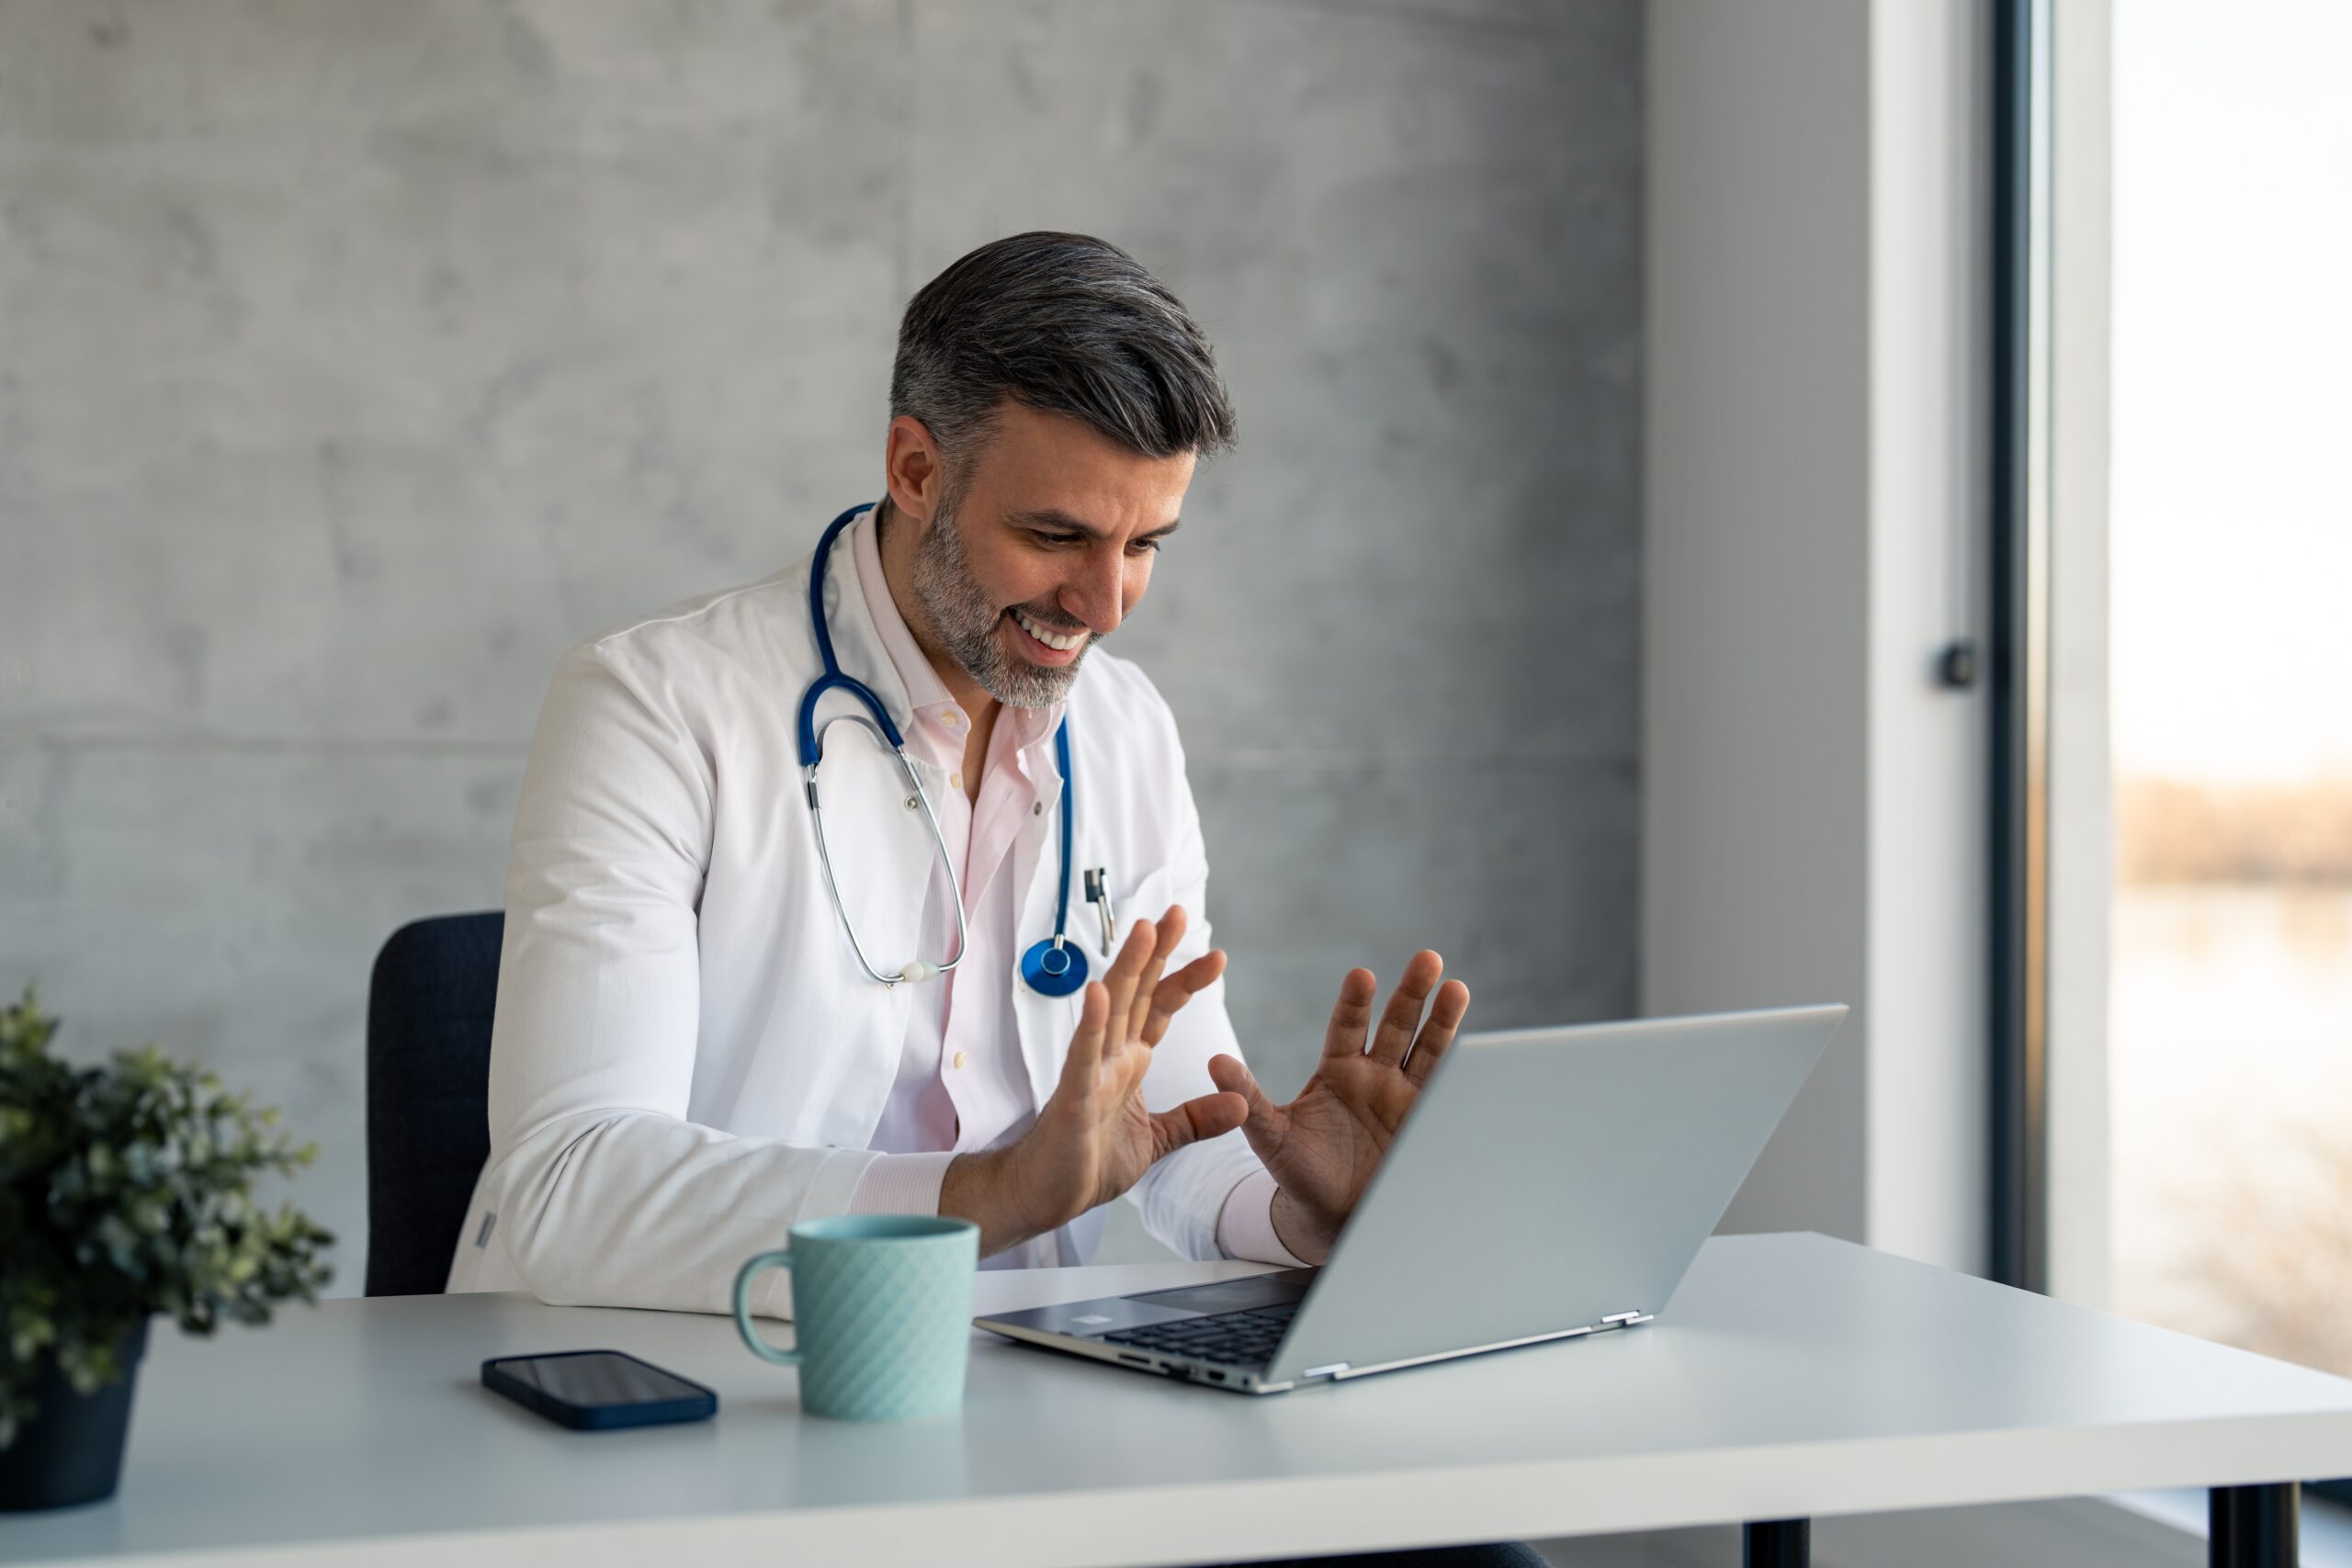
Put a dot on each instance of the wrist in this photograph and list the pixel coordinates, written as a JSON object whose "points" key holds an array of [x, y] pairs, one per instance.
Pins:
{"points": [[1309, 1241], [973, 1188], [984, 1187]]}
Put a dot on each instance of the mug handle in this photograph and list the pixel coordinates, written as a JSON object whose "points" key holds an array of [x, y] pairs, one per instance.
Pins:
{"points": [[758, 1346]]}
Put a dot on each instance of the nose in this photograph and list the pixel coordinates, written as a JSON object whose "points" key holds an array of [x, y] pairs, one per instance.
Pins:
{"points": [[1099, 595]]}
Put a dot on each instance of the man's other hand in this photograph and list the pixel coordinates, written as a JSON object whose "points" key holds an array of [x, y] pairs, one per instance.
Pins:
{"points": [[1324, 1146]]}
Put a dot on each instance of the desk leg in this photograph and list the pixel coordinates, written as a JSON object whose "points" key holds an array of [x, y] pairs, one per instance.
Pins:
{"points": [[2252, 1526], [1777, 1543]]}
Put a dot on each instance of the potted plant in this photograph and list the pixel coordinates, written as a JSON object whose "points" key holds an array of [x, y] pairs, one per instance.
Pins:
{"points": [[125, 1191]]}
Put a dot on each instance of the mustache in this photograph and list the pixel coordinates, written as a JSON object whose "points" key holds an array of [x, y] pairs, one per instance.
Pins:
{"points": [[1052, 620]]}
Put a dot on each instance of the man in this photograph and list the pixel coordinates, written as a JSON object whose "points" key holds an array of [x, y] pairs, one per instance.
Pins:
{"points": [[712, 1022], [718, 1014]]}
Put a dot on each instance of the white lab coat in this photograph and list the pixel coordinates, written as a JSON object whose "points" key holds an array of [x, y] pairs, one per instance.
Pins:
{"points": [[687, 1057]]}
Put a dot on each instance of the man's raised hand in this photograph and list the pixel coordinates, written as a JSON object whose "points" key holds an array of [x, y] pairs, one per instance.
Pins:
{"points": [[1094, 1139]]}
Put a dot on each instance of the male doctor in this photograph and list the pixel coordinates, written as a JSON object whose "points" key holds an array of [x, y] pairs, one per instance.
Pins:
{"points": [[690, 1053]]}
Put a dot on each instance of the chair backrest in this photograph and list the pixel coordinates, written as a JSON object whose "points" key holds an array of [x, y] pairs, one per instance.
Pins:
{"points": [[429, 1006]]}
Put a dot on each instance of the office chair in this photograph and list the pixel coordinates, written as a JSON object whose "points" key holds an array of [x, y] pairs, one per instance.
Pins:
{"points": [[429, 1005]]}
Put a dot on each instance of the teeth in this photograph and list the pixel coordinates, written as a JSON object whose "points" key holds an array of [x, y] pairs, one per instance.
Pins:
{"points": [[1059, 641]]}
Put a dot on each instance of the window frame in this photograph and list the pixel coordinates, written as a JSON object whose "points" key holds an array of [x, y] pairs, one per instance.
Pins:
{"points": [[2017, 641], [2050, 265]]}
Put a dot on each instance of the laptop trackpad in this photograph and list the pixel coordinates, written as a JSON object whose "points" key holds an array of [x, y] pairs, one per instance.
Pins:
{"points": [[1086, 1320], [1235, 1295]]}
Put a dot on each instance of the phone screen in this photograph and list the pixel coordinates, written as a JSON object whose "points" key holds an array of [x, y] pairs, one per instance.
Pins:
{"points": [[596, 1378]]}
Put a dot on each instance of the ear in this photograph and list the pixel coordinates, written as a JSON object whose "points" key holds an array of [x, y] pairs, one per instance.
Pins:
{"points": [[914, 469]]}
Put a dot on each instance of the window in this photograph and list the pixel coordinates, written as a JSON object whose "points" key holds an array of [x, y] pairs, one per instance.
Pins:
{"points": [[2171, 667], [2230, 1006]]}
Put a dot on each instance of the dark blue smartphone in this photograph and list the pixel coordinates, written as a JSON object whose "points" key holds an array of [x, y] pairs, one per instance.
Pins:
{"points": [[599, 1389]]}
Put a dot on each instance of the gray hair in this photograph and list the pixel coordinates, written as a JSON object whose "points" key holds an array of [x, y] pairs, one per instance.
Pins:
{"points": [[1065, 324]]}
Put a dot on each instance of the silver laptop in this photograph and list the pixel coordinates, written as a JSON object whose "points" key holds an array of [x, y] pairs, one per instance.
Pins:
{"points": [[1550, 1183]]}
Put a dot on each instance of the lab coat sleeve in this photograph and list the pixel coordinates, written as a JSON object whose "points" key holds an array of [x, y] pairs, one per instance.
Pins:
{"points": [[606, 1195]]}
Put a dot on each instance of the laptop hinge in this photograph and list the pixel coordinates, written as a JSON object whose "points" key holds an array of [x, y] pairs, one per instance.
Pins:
{"points": [[1626, 1319], [1331, 1370]]}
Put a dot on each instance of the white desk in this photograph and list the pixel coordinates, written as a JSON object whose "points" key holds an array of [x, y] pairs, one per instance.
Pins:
{"points": [[1792, 1376]]}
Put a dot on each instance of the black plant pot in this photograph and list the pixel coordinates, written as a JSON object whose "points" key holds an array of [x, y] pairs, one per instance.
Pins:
{"points": [[72, 1450]]}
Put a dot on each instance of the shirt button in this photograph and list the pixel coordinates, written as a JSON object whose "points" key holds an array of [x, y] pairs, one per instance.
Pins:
{"points": [[951, 718], [1036, 808], [959, 1058], [955, 781]]}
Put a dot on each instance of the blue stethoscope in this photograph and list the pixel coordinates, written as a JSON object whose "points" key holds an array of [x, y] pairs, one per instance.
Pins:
{"points": [[1054, 966]]}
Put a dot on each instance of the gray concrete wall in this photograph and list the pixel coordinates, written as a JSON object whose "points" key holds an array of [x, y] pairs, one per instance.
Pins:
{"points": [[356, 359], [1759, 557]]}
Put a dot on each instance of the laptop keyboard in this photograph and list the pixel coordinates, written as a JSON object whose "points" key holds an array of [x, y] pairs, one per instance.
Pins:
{"points": [[1237, 1339]]}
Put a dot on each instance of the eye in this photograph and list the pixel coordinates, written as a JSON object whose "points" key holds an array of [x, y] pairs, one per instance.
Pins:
{"points": [[1146, 547]]}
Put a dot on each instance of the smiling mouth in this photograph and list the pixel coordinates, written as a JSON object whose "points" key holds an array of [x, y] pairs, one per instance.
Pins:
{"points": [[1060, 642]]}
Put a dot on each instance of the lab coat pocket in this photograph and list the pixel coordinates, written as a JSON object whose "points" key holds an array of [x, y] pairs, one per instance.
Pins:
{"points": [[1147, 900], [1047, 1023]]}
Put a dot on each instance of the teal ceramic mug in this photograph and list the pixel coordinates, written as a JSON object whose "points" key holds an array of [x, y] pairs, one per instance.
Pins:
{"points": [[881, 1314]]}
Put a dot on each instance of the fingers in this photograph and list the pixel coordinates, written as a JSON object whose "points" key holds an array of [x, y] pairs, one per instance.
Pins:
{"points": [[1229, 1073], [1170, 932], [1083, 1065], [1403, 1015], [1445, 1018], [1172, 994], [1119, 980], [1210, 1116], [1351, 1015]]}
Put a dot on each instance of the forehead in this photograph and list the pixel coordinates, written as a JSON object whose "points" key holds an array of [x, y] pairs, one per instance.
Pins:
{"points": [[1037, 462]]}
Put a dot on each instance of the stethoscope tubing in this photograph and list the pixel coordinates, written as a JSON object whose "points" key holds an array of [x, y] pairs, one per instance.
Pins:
{"points": [[1054, 965]]}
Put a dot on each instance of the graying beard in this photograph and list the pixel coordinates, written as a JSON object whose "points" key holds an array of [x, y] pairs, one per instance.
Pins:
{"points": [[964, 620]]}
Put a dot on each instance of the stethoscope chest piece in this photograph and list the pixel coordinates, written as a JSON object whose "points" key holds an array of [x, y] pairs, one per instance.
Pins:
{"points": [[1054, 967]]}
